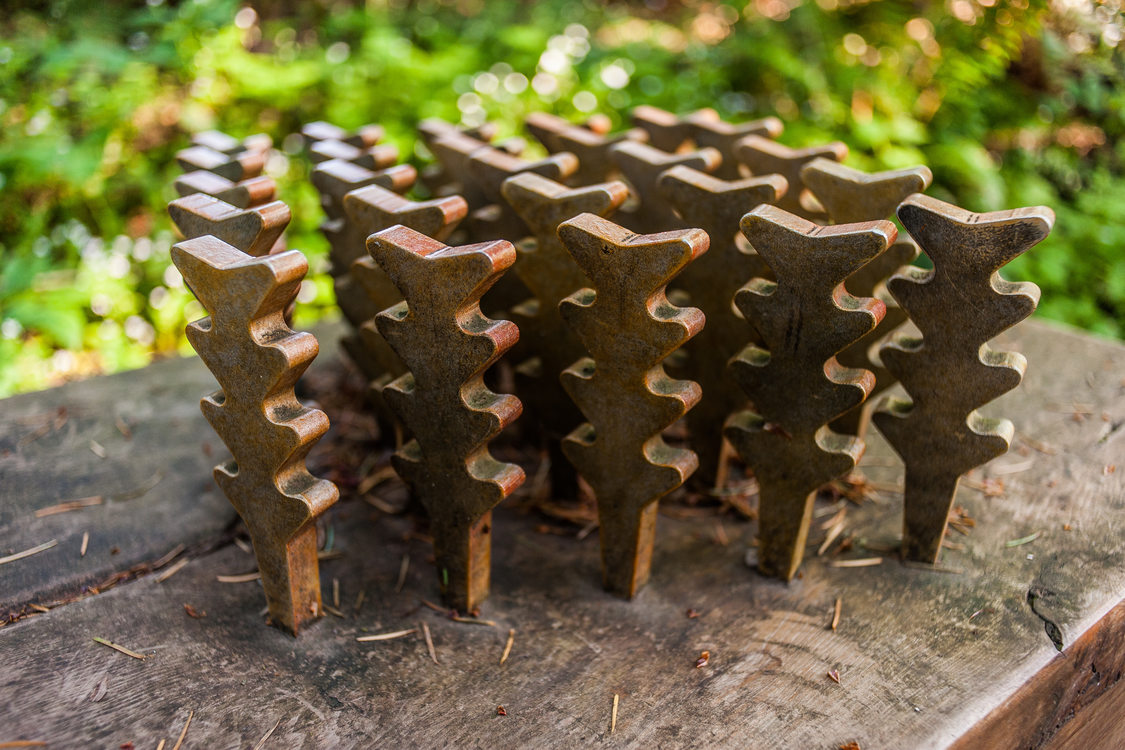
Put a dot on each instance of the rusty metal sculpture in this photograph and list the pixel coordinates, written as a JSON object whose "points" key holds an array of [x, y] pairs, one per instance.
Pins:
{"points": [[590, 147], [365, 136], [642, 166], [441, 334], [763, 156], [235, 167], [347, 244], [254, 231], [795, 383], [489, 167], [950, 371], [247, 193], [552, 275], [372, 209], [716, 206], [666, 131], [708, 130], [257, 360], [224, 143], [851, 196], [629, 327]]}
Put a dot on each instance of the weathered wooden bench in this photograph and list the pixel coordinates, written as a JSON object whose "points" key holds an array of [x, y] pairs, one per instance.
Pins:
{"points": [[967, 656]]}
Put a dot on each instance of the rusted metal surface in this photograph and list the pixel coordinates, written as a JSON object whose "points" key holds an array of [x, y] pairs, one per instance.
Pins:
{"points": [[453, 148], [588, 144], [763, 156], [551, 275], [369, 210], [642, 166], [489, 167], [365, 136], [254, 231], [666, 131], [849, 196], [234, 167], [379, 156], [708, 130], [347, 244], [257, 359], [950, 371], [445, 340], [794, 382], [254, 191], [716, 206], [224, 143], [628, 326]]}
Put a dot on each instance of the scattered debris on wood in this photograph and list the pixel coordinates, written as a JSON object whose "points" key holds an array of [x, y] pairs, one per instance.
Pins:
{"points": [[508, 645], [836, 614], [429, 642], [613, 714], [122, 649], [85, 543], [500, 711], [834, 675], [99, 690], [262, 742], [192, 612], [29, 552], [98, 449], [168, 573], [1023, 540], [70, 505], [241, 578], [405, 566], [703, 660], [387, 636], [692, 614], [180, 741], [864, 562]]}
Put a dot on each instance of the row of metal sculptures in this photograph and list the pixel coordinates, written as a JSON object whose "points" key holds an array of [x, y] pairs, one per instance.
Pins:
{"points": [[752, 288]]}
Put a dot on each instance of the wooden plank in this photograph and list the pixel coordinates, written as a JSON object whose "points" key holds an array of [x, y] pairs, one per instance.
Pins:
{"points": [[135, 448], [922, 656]]}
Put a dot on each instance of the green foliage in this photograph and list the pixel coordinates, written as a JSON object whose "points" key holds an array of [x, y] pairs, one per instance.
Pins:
{"points": [[1010, 103]]}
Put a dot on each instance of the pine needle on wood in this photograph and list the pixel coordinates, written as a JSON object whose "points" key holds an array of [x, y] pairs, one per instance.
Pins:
{"points": [[29, 552]]}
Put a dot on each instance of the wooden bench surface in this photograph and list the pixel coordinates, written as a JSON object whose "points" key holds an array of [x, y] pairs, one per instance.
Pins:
{"points": [[925, 658]]}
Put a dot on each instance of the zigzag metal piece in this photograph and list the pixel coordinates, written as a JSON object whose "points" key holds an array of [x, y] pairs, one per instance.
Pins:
{"points": [[551, 274], [489, 167], [666, 131], [447, 343], [716, 206], [795, 383], [363, 137], [707, 130], [763, 156], [217, 140], [642, 166], [589, 146], [374, 158], [849, 196], [234, 167], [334, 179], [248, 193], [950, 372], [257, 360], [372, 209], [629, 328], [254, 231]]}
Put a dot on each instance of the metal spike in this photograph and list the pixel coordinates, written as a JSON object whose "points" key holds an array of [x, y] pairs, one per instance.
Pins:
{"points": [[447, 343], [950, 371], [763, 156], [268, 431], [795, 384], [716, 206], [642, 166], [629, 327]]}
